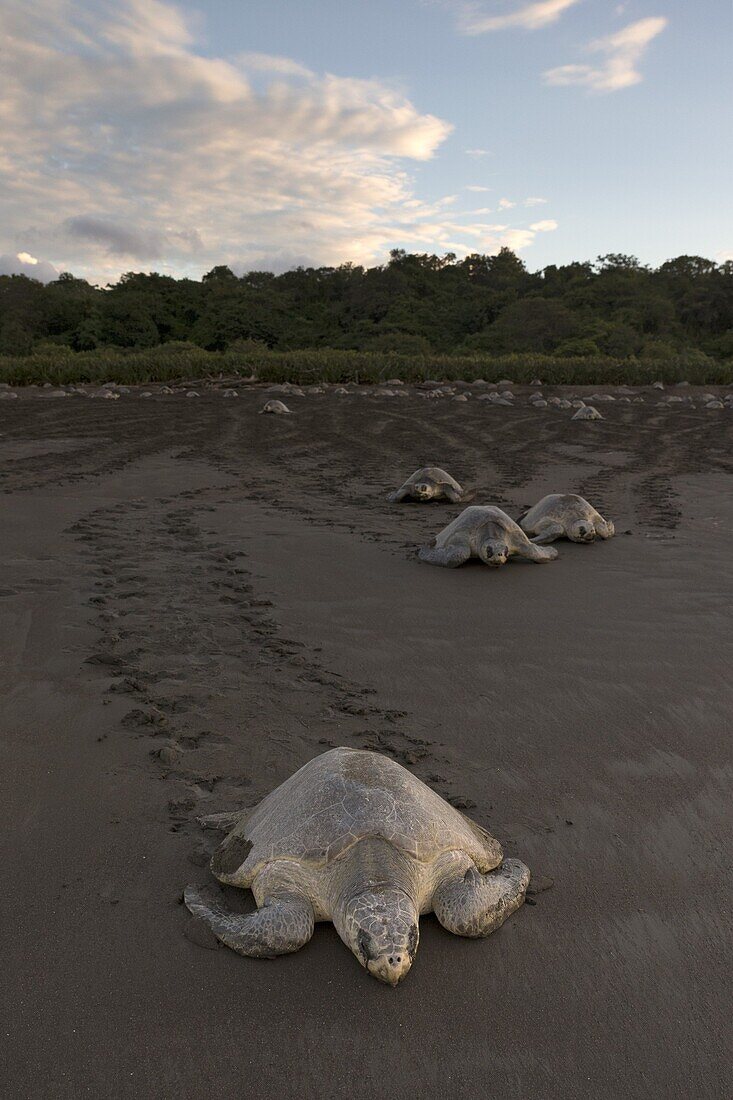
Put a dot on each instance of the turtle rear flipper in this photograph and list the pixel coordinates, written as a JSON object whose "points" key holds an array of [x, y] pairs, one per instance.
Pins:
{"points": [[225, 822]]}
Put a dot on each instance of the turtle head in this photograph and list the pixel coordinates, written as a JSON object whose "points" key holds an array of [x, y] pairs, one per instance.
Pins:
{"points": [[381, 928], [581, 531], [494, 552], [425, 490]]}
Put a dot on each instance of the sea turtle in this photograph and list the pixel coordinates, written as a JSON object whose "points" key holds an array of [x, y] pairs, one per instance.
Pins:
{"points": [[277, 407], [485, 532], [565, 515], [587, 412], [355, 838], [429, 483]]}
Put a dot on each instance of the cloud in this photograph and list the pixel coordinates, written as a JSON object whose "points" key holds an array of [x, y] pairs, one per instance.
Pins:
{"points": [[623, 51], [519, 239], [123, 141], [121, 240], [533, 201], [117, 239], [489, 237], [276, 261], [125, 145], [477, 187], [506, 204], [473, 18], [273, 63], [22, 263]]}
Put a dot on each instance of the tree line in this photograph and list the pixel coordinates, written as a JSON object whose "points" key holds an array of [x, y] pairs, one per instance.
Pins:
{"points": [[414, 305]]}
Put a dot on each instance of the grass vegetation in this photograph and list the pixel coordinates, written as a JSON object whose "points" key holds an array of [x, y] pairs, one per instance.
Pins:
{"points": [[179, 362]]}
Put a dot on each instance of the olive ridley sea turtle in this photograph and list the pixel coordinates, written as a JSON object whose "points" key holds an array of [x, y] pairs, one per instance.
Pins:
{"points": [[485, 532], [277, 407], [565, 515], [355, 838], [429, 483], [587, 412]]}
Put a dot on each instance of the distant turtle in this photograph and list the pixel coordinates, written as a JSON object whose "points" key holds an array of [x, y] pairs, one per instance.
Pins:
{"points": [[484, 532], [587, 412], [354, 838], [277, 407], [565, 515], [429, 483]]}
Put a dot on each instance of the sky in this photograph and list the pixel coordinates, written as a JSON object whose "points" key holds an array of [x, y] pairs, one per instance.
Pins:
{"points": [[147, 135]]}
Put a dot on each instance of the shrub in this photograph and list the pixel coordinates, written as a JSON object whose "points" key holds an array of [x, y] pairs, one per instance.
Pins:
{"points": [[580, 346]]}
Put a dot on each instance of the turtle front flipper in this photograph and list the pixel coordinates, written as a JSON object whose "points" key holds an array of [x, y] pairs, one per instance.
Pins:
{"points": [[449, 556], [398, 495], [472, 904], [282, 924], [548, 532], [533, 552]]}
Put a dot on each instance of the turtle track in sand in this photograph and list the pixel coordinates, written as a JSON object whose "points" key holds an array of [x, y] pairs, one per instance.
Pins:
{"points": [[318, 465], [194, 650], [194, 646]]}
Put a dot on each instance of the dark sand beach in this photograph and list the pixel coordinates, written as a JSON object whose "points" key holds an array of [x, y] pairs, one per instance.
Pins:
{"points": [[196, 599]]}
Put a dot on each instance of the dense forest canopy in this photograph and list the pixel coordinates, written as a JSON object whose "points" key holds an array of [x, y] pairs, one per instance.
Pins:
{"points": [[413, 304]]}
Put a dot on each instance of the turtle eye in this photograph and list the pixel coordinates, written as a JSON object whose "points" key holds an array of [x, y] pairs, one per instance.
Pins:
{"points": [[364, 943]]}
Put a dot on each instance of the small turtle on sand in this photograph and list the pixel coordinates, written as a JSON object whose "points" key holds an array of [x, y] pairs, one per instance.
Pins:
{"points": [[587, 412], [277, 407], [565, 515], [485, 532], [429, 483], [354, 838]]}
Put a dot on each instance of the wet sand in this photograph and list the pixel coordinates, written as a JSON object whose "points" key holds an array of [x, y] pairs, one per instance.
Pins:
{"points": [[196, 599]]}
